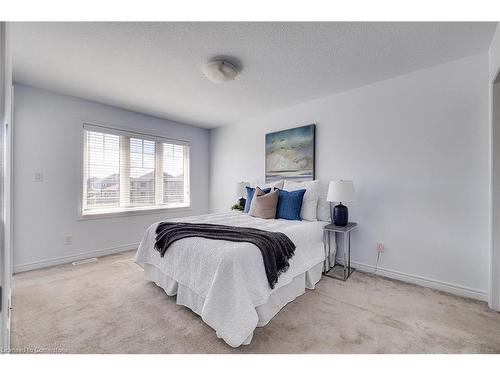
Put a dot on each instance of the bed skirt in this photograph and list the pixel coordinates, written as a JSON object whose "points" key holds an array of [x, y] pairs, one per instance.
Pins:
{"points": [[277, 300]]}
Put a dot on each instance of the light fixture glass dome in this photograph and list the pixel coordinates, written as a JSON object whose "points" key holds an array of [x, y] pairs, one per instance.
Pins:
{"points": [[219, 71]]}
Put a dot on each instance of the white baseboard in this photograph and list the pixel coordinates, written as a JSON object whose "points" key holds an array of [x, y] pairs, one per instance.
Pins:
{"points": [[72, 258], [459, 290], [381, 271]]}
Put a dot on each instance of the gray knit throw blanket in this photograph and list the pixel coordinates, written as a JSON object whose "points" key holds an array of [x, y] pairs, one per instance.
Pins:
{"points": [[276, 248]]}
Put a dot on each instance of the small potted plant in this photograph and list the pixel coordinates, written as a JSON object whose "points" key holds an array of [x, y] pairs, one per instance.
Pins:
{"points": [[237, 207]]}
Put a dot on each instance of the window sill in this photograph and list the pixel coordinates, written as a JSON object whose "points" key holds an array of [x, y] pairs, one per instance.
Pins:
{"points": [[132, 212]]}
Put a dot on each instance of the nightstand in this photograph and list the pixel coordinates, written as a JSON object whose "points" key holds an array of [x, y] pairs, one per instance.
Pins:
{"points": [[347, 270]]}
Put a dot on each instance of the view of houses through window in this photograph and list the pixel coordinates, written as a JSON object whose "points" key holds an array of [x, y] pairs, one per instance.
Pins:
{"points": [[125, 172]]}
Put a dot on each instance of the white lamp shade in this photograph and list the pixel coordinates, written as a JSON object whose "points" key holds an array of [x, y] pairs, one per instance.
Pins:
{"points": [[341, 191], [241, 190]]}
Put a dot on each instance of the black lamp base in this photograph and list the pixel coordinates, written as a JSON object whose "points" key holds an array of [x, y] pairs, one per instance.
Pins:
{"points": [[242, 202], [340, 215]]}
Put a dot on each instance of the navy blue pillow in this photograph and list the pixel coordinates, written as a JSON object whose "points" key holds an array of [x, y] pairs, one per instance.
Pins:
{"points": [[289, 204], [250, 193]]}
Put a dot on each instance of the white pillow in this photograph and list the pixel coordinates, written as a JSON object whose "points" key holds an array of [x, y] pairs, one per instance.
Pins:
{"points": [[310, 200], [272, 185], [323, 206]]}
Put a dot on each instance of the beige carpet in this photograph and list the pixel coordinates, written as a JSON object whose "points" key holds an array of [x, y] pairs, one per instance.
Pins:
{"points": [[107, 307]]}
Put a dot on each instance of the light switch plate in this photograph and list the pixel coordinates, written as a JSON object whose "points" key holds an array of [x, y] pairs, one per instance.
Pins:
{"points": [[38, 177]]}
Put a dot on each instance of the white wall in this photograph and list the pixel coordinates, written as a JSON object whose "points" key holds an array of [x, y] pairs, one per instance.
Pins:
{"points": [[47, 138], [417, 147]]}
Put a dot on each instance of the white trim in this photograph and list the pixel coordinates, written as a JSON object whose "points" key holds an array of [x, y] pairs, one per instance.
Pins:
{"points": [[132, 133], [6, 119], [456, 289], [159, 183], [72, 258], [494, 195], [92, 215]]}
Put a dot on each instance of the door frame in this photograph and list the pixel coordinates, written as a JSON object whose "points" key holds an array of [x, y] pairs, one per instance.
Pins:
{"points": [[6, 253], [494, 293]]}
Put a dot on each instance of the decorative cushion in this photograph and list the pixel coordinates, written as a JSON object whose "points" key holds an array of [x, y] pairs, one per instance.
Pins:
{"points": [[276, 184], [323, 213], [250, 193], [289, 204], [264, 205], [310, 202]]}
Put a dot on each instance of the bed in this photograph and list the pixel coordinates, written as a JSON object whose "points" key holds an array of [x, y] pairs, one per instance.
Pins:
{"points": [[224, 282]]}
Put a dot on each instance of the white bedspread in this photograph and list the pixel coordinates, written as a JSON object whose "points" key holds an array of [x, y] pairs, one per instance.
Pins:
{"points": [[230, 276]]}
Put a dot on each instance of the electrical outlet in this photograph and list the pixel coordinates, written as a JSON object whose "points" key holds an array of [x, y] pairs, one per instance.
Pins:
{"points": [[68, 240], [380, 247]]}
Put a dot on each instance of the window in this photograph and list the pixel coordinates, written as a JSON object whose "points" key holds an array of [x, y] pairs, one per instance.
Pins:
{"points": [[125, 171]]}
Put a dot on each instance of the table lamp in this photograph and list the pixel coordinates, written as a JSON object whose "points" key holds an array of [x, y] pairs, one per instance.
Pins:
{"points": [[341, 191], [241, 192]]}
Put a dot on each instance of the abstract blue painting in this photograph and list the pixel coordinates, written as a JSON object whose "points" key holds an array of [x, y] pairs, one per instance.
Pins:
{"points": [[290, 154]]}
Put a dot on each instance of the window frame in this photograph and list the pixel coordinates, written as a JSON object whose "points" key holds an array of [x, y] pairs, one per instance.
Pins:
{"points": [[129, 211]]}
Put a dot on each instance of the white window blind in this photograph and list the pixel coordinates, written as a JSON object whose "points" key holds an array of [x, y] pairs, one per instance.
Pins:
{"points": [[125, 171], [142, 172], [175, 179], [102, 170]]}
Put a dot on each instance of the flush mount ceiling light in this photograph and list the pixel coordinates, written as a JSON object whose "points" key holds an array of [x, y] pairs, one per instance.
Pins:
{"points": [[219, 71]]}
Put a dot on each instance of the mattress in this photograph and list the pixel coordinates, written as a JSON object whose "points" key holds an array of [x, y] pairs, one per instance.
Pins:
{"points": [[225, 282]]}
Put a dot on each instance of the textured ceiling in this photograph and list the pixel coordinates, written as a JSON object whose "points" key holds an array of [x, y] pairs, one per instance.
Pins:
{"points": [[154, 68]]}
